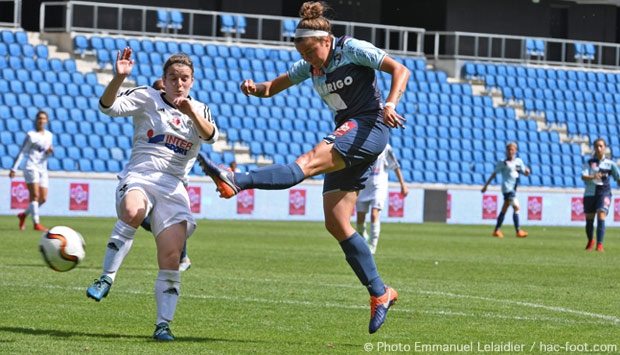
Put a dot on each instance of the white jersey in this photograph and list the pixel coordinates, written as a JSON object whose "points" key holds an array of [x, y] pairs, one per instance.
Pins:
{"points": [[35, 146], [164, 140], [385, 161], [378, 181]]}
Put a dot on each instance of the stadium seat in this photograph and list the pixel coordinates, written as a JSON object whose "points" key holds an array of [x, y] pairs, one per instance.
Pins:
{"points": [[117, 154], [227, 23], [68, 164], [99, 166], [162, 20], [113, 166], [81, 45]]}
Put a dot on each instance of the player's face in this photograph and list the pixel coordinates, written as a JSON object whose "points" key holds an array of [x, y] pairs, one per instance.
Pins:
{"points": [[511, 151], [315, 52], [599, 149], [178, 81], [40, 122]]}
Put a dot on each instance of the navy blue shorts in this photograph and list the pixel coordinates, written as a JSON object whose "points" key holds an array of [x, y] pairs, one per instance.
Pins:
{"points": [[359, 141], [591, 204], [510, 195]]}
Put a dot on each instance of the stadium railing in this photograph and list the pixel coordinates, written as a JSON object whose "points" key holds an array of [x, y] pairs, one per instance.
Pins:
{"points": [[206, 25]]}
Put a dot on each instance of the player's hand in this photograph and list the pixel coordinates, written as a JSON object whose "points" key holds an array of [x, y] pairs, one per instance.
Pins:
{"points": [[248, 87], [124, 63], [50, 150], [11, 174], [404, 191], [392, 118], [182, 104]]}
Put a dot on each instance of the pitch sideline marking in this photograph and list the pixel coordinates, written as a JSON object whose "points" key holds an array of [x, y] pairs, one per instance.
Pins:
{"points": [[605, 318]]}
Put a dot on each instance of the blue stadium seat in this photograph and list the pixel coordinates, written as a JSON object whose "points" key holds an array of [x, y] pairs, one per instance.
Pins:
{"points": [[81, 45], [68, 164], [41, 51], [103, 153], [103, 58], [227, 23], [256, 148], [99, 166], [117, 154], [114, 166]]}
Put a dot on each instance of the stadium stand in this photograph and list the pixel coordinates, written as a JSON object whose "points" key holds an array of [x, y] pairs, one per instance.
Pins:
{"points": [[461, 123]]}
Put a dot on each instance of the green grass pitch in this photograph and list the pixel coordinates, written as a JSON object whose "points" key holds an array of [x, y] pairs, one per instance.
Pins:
{"points": [[285, 288]]}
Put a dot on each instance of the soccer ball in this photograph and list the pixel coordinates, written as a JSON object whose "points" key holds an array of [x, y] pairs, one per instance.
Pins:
{"points": [[62, 248]]}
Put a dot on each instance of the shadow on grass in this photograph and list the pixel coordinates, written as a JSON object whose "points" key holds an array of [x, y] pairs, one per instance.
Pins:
{"points": [[69, 334]]}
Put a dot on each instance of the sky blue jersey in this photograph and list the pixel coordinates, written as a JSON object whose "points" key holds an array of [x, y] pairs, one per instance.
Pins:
{"points": [[510, 169], [598, 187], [349, 84]]}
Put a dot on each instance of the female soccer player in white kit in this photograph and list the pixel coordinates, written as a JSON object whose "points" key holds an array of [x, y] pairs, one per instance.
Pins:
{"points": [[373, 196], [169, 128], [38, 146]]}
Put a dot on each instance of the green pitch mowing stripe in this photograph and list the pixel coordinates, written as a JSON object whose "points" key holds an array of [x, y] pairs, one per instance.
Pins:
{"points": [[285, 288]]}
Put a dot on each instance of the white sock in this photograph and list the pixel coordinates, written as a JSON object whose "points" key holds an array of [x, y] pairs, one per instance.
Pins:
{"points": [[34, 208], [118, 247], [375, 230], [28, 210], [167, 291]]}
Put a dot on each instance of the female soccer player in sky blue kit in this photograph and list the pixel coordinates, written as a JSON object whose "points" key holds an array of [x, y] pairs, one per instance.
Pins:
{"points": [[597, 196], [510, 168], [342, 70]]}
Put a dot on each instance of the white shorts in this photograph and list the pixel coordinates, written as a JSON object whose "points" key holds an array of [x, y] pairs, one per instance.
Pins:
{"points": [[36, 176], [168, 201], [371, 197]]}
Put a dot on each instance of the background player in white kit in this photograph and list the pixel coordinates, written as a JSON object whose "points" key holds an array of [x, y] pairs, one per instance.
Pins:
{"points": [[38, 146], [375, 193], [169, 128]]}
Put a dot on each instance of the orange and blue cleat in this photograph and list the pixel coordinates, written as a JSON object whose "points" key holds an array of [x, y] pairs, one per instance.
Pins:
{"points": [[223, 177], [379, 307]]}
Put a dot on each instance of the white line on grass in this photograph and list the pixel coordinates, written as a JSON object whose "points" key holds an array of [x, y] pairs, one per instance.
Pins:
{"points": [[613, 319], [602, 319]]}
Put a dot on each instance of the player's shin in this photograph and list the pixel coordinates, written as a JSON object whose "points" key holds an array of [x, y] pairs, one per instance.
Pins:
{"points": [[118, 247], [361, 261]]}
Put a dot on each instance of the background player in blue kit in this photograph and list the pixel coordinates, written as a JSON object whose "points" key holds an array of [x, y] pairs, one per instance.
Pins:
{"points": [[510, 168], [342, 70], [597, 195]]}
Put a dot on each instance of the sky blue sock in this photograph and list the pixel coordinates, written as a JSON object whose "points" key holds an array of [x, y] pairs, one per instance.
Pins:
{"points": [[359, 257], [271, 177], [600, 231], [590, 228]]}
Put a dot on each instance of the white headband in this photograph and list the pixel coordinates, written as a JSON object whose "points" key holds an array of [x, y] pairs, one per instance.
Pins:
{"points": [[304, 32]]}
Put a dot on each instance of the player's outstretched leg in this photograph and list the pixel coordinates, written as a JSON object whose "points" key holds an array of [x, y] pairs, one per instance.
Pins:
{"points": [[223, 177]]}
